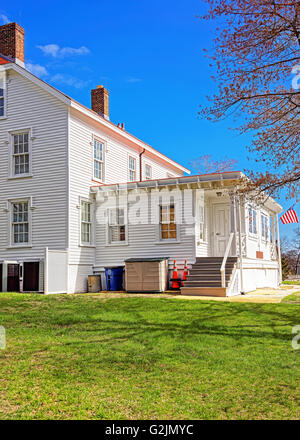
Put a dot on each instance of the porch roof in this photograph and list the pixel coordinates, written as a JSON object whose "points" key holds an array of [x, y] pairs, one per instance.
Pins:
{"points": [[196, 181], [213, 181]]}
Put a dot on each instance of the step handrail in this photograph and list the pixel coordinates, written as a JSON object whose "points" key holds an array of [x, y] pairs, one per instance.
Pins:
{"points": [[222, 270]]}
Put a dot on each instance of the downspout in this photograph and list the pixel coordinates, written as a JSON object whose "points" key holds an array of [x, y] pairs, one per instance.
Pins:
{"points": [[240, 248], [141, 165]]}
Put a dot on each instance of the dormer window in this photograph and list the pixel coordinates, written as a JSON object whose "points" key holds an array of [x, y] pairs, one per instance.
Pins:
{"points": [[2, 95]]}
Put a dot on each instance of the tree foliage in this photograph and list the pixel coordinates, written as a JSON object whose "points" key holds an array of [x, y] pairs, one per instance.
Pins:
{"points": [[256, 50], [207, 164], [291, 252]]}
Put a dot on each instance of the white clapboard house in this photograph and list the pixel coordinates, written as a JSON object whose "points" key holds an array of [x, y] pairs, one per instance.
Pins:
{"points": [[79, 193]]}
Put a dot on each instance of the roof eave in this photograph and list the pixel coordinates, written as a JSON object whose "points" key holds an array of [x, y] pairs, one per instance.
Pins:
{"points": [[85, 110], [90, 113]]}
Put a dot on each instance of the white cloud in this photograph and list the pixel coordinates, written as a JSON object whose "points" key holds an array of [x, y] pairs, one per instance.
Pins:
{"points": [[37, 69], [68, 80], [133, 80], [59, 52], [4, 19]]}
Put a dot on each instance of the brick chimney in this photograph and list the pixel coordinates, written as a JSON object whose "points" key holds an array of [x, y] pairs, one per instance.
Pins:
{"points": [[12, 42], [100, 101]]}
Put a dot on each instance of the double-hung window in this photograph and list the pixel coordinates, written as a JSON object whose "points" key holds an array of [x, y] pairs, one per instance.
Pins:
{"points": [[117, 225], [20, 154], [2, 95], [148, 172], [168, 229], [132, 169], [201, 223], [98, 160], [264, 226], [20, 222], [252, 221], [86, 223]]}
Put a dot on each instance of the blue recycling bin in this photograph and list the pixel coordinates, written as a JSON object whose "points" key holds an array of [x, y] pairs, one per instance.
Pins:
{"points": [[114, 278]]}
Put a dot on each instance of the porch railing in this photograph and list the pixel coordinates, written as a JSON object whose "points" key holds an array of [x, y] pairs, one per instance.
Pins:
{"points": [[222, 270]]}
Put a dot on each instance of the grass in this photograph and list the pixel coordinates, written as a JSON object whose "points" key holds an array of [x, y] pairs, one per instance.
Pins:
{"points": [[294, 298], [294, 283], [94, 357]]}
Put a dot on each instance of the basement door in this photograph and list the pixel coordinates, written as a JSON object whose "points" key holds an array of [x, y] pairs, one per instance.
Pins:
{"points": [[221, 228], [13, 282], [31, 277]]}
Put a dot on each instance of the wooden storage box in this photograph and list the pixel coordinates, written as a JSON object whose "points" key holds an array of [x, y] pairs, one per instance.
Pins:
{"points": [[146, 275]]}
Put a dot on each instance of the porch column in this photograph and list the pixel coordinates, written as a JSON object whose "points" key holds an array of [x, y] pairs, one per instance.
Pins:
{"points": [[278, 249], [240, 245], [273, 219], [233, 225]]}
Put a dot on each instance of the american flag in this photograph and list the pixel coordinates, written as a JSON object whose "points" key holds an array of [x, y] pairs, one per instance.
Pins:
{"points": [[289, 217]]}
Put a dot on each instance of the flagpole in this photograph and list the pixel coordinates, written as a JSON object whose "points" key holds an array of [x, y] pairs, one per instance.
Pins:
{"points": [[278, 249]]}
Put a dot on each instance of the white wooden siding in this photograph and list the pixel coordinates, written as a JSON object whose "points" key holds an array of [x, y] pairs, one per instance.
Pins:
{"points": [[143, 240], [28, 106], [81, 133], [117, 152]]}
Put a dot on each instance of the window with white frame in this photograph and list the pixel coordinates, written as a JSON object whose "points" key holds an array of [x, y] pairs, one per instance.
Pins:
{"points": [[20, 222], [98, 160], [20, 153], [168, 229], [264, 226], [252, 221], [148, 172], [117, 225], [201, 223], [86, 223], [132, 169], [2, 95]]}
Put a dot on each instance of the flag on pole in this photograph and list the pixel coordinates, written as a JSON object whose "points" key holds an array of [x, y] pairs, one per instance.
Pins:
{"points": [[289, 217]]}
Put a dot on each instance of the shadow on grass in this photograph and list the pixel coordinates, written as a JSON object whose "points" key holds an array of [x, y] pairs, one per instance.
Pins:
{"points": [[242, 321]]}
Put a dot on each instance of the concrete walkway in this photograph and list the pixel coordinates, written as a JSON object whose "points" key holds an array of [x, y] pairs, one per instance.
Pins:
{"points": [[266, 295]]}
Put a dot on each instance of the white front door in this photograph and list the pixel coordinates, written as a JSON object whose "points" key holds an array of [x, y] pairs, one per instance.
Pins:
{"points": [[221, 228]]}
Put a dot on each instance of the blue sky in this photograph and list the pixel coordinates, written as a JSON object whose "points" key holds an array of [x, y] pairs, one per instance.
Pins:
{"points": [[149, 54]]}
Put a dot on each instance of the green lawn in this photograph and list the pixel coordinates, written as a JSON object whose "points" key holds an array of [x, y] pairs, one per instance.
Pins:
{"points": [[293, 298], [89, 357]]}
